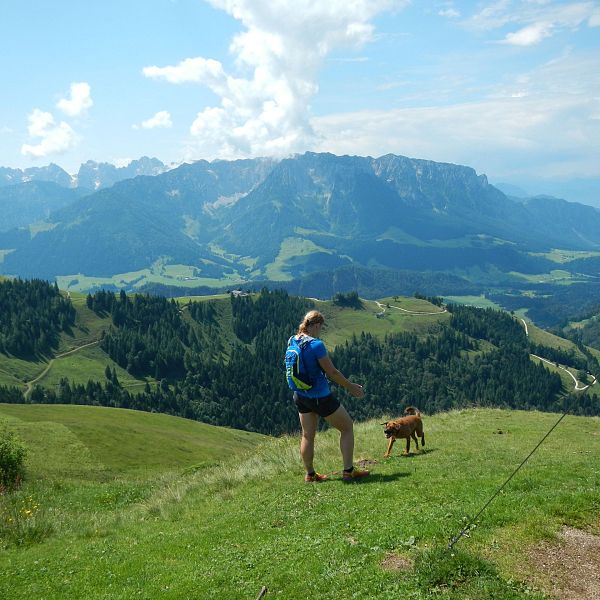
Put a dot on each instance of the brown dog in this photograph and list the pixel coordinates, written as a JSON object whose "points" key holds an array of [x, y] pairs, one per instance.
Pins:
{"points": [[405, 427]]}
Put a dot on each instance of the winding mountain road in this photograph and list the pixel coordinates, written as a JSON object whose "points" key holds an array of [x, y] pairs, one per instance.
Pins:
{"points": [[579, 387]]}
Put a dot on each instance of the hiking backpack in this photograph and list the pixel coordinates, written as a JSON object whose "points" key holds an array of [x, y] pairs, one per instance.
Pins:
{"points": [[295, 370]]}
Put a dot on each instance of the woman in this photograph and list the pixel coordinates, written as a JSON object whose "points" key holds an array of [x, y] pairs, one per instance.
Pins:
{"points": [[318, 401]]}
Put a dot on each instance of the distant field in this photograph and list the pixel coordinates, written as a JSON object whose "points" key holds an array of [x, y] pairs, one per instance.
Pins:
{"points": [[292, 250], [478, 301], [343, 323], [565, 256], [177, 275], [540, 336], [556, 276]]}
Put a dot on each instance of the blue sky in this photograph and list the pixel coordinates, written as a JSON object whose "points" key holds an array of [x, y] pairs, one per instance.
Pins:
{"points": [[509, 87]]}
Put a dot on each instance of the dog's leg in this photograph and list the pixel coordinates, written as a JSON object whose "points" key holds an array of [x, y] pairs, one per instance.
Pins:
{"points": [[414, 437], [407, 451], [389, 448], [421, 433]]}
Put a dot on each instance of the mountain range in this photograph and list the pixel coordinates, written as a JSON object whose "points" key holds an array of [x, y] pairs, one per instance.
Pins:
{"points": [[91, 176], [266, 219]]}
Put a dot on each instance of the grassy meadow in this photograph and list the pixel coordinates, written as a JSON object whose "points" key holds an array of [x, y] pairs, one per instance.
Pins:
{"points": [[120, 504], [179, 275]]}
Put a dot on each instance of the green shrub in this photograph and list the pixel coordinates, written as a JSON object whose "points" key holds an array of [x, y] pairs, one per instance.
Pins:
{"points": [[12, 460]]}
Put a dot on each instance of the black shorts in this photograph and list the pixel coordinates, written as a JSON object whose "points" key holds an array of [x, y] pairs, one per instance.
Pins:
{"points": [[322, 406]]}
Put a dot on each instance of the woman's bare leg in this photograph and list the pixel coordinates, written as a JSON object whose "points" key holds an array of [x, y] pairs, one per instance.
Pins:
{"points": [[342, 421], [309, 422]]}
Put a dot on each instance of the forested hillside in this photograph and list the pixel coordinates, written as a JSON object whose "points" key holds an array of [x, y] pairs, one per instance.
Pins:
{"points": [[230, 373], [32, 315]]}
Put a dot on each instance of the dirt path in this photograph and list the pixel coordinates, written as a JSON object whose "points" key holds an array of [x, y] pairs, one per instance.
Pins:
{"points": [[568, 568], [29, 384], [410, 312]]}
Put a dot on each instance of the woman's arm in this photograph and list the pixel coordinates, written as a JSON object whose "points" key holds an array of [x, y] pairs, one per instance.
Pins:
{"points": [[332, 373]]}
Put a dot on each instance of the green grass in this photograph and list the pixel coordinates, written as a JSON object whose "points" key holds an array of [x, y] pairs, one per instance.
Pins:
{"points": [[15, 371], [177, 275], [343, 323], [478, 301], [545, 338], [89, 363], [554, 276], [565, 256], [228, 530], [293, 250], [121, 441]]}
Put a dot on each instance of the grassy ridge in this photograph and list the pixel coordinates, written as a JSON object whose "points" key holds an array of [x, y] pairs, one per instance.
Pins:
{"points": [[225, 531], [120, 441]]}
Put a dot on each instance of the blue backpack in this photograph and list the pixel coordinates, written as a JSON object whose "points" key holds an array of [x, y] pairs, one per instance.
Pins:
{"points": [[296, 374]]}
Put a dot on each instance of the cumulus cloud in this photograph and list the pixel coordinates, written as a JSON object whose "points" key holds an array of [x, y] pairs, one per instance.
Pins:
{"points": [[161, 119], [78, 101], [196, 70], [264, 106], [54, 138]]}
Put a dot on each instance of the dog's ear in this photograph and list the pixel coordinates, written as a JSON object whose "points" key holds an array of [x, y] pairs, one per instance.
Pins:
{"points": [[384, 423]]}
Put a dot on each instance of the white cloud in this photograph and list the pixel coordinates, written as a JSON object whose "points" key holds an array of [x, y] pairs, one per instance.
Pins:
{"points": [[530, 35], [264, 106], [450, 13], [449, 10], [161, 119], [552, 128], [535, 19], [196, 70], [55, 139], [78, 101]]}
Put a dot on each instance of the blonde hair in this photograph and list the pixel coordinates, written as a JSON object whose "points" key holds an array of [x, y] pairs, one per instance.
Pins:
{"points": [[310, 318]]}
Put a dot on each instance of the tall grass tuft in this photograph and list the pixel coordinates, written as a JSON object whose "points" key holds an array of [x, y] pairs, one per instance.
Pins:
{"points": [[273, 457], [22, 520]]}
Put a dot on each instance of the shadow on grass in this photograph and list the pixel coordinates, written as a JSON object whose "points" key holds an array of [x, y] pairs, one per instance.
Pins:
{"points": [[380, 478], [401, 456]]}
